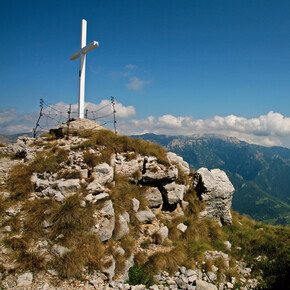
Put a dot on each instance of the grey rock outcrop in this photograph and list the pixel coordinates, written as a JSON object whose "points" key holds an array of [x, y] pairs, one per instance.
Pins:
{"points": [[135, 204], [156, 172], [202, 285], [163, 234], [174, 192], [105, 221], [69, 185], [25, 279], [95, 187], [215, 189], [154, 196], [59, 250], [124, 219], [103, 173], [178, 160], [145, 216]]}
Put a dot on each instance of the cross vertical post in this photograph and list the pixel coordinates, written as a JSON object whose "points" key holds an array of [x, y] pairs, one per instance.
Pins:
{"points": [[82, 71], [82, 55]]}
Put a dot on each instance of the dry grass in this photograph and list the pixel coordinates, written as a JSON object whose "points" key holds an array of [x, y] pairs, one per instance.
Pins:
{"points": [[128, 244], [14, 223], [68, 174], [49, 161], [140, 258], [166, 261], [18, 182], [70, 218], [37, 211], [120, 144]]}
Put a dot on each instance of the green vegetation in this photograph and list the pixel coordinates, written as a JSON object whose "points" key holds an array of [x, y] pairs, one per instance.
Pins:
{"points": [[140, 275], [265, 248]]}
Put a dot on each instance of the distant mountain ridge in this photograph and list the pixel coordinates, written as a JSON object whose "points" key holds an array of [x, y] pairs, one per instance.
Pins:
{"points": [[260, 174]]}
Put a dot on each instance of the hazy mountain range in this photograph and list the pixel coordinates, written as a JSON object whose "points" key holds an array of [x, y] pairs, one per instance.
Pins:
{"points": [[260, 175]]}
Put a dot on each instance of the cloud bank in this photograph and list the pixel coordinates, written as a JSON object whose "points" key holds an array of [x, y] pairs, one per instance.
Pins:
{"points": [[269, 130], [12, 122]]}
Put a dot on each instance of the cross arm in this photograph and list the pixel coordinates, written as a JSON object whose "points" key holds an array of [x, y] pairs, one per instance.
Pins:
{"points": [[85, 49]]}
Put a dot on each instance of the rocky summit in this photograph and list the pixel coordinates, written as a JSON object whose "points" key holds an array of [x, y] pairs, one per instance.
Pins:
{"points": [[83, 208]]}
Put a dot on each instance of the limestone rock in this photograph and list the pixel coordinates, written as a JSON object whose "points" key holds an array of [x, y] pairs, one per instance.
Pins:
{"points": [[39, 184], [25, 279], [128, 167], [103, 173], [202, 285], [174, 192], [155, 172], [154, 196], [123, 226], [80, 124], [163, 234], [183, 165], [105, 221], [59, 250], [95, 187], [94, 198], [145, 216], [215, 189], [69, 185], [135, 204], [182, 227], [110, 270]]}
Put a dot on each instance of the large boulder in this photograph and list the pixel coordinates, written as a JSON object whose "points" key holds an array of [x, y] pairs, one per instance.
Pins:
{"points": [[145, 216], [128, 168], [154, 196], [155, 172], [69, 185], [123, 229], [215, 189], [103, 173], [105, 221], [174, 192], [178, 160], [202, 285]]}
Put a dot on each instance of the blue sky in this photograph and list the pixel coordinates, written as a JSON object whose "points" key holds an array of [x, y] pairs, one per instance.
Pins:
{"points": [[177, 61]]}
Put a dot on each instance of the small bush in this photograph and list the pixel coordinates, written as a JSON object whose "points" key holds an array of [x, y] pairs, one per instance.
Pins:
{"points": [[140, 275]]}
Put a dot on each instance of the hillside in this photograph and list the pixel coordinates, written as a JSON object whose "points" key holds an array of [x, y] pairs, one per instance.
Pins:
{"points": [[100, 211], [259, 174]]}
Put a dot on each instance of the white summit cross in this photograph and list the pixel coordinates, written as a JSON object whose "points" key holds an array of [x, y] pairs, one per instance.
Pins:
{"points": [[82, 55]]}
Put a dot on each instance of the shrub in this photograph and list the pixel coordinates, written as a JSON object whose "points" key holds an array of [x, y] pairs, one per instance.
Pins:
{"points": [[140, 275]]}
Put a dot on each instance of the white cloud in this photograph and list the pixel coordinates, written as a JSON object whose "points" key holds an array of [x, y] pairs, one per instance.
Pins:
{"points": [[131, 66], [270, 129], [135, 84], [12, 122]]}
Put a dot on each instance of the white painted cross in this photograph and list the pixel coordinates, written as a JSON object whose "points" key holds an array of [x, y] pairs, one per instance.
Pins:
{"points": [[82, 55]]}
